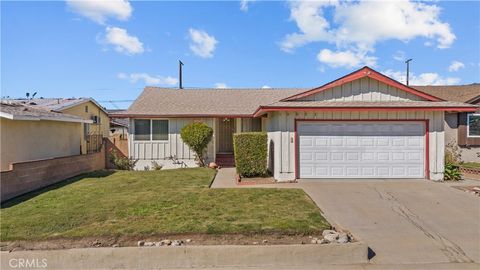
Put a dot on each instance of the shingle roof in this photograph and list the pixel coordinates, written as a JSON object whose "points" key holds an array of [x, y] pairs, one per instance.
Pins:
{"points": [[155, 101], [204, 102], [19, 111], [460, 93], [56, 104]]}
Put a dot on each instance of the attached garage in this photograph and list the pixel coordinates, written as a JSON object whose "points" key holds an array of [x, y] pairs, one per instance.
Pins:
{"points": [[361, 149]]}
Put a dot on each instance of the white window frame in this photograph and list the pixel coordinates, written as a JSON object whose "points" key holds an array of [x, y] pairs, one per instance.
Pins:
{"points": [[151, 130], [468, 125]]}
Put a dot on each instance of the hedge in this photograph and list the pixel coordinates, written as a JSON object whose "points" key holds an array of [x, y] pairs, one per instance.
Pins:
{"points": [[250, 153]]}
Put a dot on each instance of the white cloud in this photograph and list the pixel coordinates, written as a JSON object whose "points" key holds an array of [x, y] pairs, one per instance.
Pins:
{"points": [[347, 59], [221, 85], [244, 4], [122, 41], [148, 79], [99, 10], [456, 66], [266, 87], [428, 78], [202, 44], [350, 29], [399, 56]]}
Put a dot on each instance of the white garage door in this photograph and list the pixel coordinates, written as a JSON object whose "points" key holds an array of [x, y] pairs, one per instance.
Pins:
{"points": [[361, 149]]}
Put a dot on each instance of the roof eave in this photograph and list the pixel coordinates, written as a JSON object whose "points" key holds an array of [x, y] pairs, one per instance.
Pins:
{"points": [[265, 109], [134, 115], [44, 118]]}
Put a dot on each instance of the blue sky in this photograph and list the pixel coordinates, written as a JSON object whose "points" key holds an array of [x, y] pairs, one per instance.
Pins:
{"points": [[111, 50]]}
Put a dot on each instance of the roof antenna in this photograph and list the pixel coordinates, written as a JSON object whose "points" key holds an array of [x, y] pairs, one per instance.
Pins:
{"points": [[408, 68], [180, 83]]}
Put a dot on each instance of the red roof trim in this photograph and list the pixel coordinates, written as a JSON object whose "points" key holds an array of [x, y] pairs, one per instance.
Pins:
{"points": [[263, 110], [358, 74]]}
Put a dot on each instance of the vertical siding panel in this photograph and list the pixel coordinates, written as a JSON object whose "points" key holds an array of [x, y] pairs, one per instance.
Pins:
{"points": [[366, 94], [356, 90], [384, 92], [364, 115], [346, 115], [328, 94], [355, 115], [320, 115], [402, 115], [374, 88]]}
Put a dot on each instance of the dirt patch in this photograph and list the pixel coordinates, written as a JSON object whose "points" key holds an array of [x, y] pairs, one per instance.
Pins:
{"points": [[255, 180], [129, 241]]}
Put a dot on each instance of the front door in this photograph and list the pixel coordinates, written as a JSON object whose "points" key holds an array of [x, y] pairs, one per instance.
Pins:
{"points": [[226, 128]]}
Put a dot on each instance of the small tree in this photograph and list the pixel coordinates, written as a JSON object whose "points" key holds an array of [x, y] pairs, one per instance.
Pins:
{"points": [[197, 136]]}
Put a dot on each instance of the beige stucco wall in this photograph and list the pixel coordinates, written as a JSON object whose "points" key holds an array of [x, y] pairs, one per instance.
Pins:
{"points": [[103, 128], [93, 109], [33, 140], [468, 154]]}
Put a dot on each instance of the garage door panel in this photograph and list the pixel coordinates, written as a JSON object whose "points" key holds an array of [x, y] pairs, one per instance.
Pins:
{"points": [[361, 150]]}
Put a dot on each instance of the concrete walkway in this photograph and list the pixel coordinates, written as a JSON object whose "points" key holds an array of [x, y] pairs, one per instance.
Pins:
{"points": [[403, 221]]}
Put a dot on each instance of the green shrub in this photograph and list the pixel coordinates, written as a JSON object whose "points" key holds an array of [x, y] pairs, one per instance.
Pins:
{"points": [[250, 153], [122, 163], [197, 136], [452, 172]]}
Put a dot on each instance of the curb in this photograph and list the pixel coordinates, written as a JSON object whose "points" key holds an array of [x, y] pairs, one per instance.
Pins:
{"points": [[193, 256]]}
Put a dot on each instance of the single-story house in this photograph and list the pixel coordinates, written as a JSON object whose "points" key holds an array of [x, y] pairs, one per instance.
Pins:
{"points": [[461, 128], [28, 133], [87, 108], [362, 125]]}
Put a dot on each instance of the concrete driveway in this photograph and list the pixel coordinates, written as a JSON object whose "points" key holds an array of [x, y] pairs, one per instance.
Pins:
{"points": [[403, 221]]}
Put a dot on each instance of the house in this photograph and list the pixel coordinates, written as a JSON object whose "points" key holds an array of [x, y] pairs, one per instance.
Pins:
{"points": [[86, 108], [28, 133], [362, 125], [118, 126], [461, 128]]}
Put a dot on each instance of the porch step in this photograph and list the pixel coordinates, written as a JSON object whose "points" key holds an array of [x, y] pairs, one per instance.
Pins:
{"points": [[225, 160]]}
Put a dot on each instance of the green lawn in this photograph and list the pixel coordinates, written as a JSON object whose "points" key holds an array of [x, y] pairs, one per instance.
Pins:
{"points": [[155, 202], [473, 165]]}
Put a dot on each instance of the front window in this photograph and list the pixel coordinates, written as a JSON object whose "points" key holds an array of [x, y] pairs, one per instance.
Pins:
{"points": [[142, 130], [151, 130], [160, 130], [473, 125]]}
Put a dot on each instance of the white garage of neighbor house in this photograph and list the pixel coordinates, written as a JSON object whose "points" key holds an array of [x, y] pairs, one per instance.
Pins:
{"points": [[363, 125]]}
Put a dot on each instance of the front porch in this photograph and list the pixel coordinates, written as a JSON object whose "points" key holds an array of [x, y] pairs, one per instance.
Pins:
{"points": [[224, 128]]}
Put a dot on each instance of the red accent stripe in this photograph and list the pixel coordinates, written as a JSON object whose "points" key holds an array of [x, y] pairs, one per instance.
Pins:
{"points": [[358, 74], [424, 121]]}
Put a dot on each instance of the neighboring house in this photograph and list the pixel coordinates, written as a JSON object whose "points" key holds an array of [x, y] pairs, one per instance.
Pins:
{"points": [[363, 125], [86, 108], [118, 126], [462, 129], [28, 133]]}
